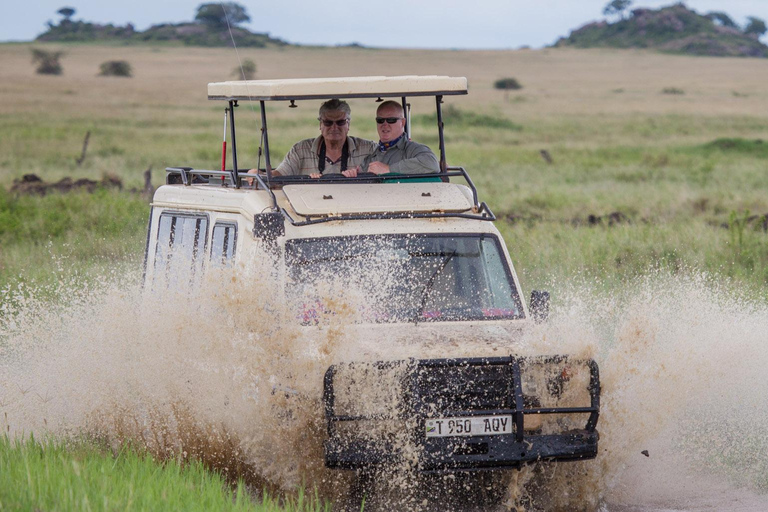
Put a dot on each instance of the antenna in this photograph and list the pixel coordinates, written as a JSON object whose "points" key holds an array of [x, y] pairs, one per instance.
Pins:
{"points": [[253, 108]]}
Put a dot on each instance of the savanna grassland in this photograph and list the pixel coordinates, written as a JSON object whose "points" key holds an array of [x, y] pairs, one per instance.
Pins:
{"points": [[651, 161], [664, 152]]}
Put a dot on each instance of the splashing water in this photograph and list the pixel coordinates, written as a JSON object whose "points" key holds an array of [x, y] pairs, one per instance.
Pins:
{"points": [[226, 374]]}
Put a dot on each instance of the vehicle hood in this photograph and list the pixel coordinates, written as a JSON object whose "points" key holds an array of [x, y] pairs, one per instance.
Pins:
{"points": [[429, 340]]}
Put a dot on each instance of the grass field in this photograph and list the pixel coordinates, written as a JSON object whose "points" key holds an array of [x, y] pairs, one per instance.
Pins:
{"points": [[619, 144], [640, 178]]}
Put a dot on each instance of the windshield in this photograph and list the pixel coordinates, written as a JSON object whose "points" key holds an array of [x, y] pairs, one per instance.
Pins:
{"points": [[405, 278]]}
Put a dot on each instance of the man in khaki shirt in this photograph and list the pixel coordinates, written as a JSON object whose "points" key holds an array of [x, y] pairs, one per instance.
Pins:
{"points": [[333, 151]]}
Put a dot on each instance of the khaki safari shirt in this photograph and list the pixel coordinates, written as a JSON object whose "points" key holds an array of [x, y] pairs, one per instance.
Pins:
{"points": [[302, 158], [405, 157]]}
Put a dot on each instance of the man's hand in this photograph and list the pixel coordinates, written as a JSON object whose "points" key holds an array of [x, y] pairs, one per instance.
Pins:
{"points": [[378, 168], [315, 175], [351, 173], [251, 171]]}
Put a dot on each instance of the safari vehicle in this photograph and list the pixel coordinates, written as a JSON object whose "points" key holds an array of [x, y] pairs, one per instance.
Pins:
{"points": [[446, 268]]}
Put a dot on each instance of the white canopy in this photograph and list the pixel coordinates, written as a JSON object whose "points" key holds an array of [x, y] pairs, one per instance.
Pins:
{"points": [[344, 87]]}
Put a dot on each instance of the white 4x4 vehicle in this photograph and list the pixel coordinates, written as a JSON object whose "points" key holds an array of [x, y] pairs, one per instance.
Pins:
{"points": [[445, 265]]}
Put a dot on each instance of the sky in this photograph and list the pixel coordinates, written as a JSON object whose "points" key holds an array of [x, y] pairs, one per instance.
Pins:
{"points": [[461, 24]]}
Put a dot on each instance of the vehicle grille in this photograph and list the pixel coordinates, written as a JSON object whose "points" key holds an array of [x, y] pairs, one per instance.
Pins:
{"points": [[466, 387]]}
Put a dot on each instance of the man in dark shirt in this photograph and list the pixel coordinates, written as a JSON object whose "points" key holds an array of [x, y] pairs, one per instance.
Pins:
{"points": [[395, 153]]}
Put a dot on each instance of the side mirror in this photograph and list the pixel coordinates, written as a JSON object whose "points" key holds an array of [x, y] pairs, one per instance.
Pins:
{"points": [[539, 306]]}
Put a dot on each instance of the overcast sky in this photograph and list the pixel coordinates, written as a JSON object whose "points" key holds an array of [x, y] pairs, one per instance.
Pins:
{"points": [[387, 23]]}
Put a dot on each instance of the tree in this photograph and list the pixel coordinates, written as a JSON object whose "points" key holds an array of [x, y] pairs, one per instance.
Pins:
{"points": [[247, 70], [722, 19], [47, 61], [617, 7], [507, 84], [755, 26], [67, 12], [214, 14]]}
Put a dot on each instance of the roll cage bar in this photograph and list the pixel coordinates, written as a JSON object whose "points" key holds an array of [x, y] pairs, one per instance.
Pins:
{"points": [[189, 176], [264, 147], [373, 87]]}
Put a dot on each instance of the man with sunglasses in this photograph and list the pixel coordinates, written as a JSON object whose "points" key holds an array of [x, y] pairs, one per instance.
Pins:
{"points": [[395, 152], [333, 151]]}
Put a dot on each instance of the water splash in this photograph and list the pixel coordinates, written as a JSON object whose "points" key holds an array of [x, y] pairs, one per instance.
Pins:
{"points": [[227, 374]]}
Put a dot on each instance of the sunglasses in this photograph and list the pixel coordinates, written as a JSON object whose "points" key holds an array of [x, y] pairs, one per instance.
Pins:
{"points": [[340, 122], [389, 120]]}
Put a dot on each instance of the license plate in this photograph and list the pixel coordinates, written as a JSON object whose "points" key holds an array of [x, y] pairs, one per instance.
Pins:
{"points": [[472, 426]]}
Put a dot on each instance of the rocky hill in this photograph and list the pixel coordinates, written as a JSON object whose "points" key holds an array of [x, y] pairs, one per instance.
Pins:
{"points": [[188, 33], [675, 29]]}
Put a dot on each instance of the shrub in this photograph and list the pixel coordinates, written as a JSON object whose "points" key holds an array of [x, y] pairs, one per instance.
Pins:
{"points": [[47, 61], [507, 84], [115, 68], [672, 90], [247, 70]]}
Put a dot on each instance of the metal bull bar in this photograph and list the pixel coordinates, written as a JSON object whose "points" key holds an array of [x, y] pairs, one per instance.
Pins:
{"points": [[433, 388]]}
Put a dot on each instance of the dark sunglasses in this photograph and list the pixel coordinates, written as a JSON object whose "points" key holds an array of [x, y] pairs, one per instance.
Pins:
{"points": [[389, 120], [340, 122]]}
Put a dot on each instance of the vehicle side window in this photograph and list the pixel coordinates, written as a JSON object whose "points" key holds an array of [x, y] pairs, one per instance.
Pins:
{"points": [[223, 244], [181, 242]]}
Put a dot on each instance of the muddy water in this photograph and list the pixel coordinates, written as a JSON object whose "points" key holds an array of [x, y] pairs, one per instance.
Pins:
{"points": [[226, 374]]}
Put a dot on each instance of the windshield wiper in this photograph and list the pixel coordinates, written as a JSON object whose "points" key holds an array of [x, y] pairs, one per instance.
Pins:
{"points": [[428, 286]]}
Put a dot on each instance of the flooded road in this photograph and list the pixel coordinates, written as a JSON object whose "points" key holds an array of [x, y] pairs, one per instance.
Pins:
{"points": [[682, 366]]}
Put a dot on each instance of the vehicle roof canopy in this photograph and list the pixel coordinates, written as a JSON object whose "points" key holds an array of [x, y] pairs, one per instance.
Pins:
{"points": [[343, 87]]}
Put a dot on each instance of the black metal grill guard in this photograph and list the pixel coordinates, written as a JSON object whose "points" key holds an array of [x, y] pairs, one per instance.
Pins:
{"points": [[468, 453]]}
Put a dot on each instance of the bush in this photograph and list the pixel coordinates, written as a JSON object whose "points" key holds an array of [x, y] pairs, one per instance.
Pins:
{"points": [[507, 84], [672, 90], [47, 62], [115, 68], [246, 71]]}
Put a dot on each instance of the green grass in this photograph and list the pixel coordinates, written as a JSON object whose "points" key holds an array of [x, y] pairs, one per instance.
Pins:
{"points": [[676, 199], [84, 476], [737, 145], [44, 238], [547, 253]]}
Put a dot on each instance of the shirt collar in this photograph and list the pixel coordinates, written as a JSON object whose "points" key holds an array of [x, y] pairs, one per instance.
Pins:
{"points": [[384, 146], [319, 139]]}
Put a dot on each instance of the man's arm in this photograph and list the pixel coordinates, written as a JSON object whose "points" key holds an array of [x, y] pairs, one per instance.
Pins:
{"points": [[419, 159]]}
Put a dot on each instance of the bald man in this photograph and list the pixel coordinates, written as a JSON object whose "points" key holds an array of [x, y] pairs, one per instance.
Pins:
{"points": [[395, 153]]}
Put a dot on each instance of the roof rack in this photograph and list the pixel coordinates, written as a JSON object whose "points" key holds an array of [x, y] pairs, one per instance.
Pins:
{"points": [[189, 176], [293, 90], [340, 87]]}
